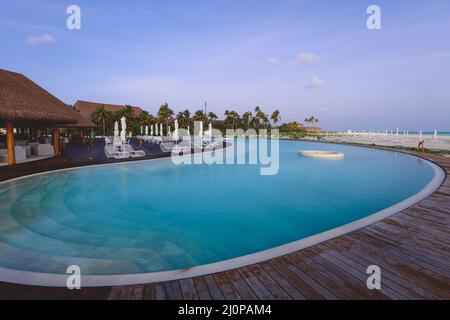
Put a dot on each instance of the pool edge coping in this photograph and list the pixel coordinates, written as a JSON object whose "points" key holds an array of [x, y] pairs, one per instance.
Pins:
{"points": [[59, 280]]}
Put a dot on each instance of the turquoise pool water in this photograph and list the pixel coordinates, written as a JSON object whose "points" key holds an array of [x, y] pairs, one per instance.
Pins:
{"points": [[154, 216]]}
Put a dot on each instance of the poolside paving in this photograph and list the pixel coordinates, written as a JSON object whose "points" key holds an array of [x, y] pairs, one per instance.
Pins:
{"points": [[412, 248]]}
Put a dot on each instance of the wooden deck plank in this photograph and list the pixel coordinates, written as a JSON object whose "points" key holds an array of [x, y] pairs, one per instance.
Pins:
{"points": [[425, 241], [308, 292], [188, 289], [138, 292], [202, 289], [421, 277], [224, 283], [399, 284], [293, 265], [349, 279], [253, 282], [114, 293], [331, 285], [173, 290], [160, 292], [240, 285], [126, 293], [271, 285], [282, 282], [149, 292], [409, 247], [213, 288], [414, 259]]}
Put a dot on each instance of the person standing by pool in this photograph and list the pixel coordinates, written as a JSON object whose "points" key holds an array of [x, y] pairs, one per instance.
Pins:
{"points": [[422, 146]]}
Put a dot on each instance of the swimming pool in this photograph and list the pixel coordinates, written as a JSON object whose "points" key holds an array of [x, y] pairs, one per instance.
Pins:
{"points": [[152, 220]]}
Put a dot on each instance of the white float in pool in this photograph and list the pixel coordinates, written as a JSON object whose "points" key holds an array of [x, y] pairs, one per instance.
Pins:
{"points": [[322, 154]]}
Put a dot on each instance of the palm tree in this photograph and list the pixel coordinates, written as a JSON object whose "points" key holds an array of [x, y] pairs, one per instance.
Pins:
{"points": [[99, 116], [147, 119], [165, 114], [199, 115], [275, 117], [259, 116], [247, 118], [232, 118], [212, 116], [184, 118], [312, 120]]}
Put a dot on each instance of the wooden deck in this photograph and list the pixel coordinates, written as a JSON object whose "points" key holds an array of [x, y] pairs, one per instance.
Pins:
{"points": [[412, 248]]}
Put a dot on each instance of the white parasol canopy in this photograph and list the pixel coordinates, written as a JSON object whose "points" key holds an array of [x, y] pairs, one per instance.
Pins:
{"points": [[116, 129], [123, 133], [210, 130], [175, 132]]}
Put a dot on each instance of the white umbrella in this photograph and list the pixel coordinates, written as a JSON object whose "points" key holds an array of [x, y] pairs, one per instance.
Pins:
{"points": [[210, 130], [156, 130], [201, 129], [161, 130], [435, 134], [142, 130], [116, 129], [146, 130], [420, 135], [123, 133], [175, 132], [151, 130], [189, 131]]}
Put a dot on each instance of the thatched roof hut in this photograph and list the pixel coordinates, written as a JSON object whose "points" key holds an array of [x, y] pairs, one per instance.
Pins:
{"points": [[82, 122], [22, 100], [24, 104], [86, 108]]}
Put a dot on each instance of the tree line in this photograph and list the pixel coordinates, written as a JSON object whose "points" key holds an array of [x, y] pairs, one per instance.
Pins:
{"points": [[256, 119]]}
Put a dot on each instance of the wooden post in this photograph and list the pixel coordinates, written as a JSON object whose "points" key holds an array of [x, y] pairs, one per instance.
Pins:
{"points": [[36, 134], [56, 141], [10, 143]]}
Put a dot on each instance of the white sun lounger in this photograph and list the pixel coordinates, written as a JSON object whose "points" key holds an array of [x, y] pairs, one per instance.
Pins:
{"points": [[133, 153], [113, 152]]}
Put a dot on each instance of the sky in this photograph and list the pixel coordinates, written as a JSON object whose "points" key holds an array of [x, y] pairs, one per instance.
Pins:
{"points": [[311, 57]]}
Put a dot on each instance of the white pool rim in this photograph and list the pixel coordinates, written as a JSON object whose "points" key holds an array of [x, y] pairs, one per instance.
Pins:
{"points": [[59, 280]]}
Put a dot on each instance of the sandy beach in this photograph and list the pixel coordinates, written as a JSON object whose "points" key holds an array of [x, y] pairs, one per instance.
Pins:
{"points": [[381, 139]]}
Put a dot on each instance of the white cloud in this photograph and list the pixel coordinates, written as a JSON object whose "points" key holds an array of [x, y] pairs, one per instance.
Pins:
{"points": [[273, 60], [316, 82], [307, 58], [43, 39]]}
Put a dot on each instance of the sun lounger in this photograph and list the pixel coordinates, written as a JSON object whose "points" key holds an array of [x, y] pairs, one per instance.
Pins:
{"points": [[133, 153], [116, 153]]}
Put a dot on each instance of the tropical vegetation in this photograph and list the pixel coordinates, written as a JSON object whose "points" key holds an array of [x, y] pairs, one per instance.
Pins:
{"points": [[255, 119]]}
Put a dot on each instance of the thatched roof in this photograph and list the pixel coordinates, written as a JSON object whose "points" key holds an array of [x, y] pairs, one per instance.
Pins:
{"points": [[82, 122], [86, 108], [22, 100], [313, 129]]}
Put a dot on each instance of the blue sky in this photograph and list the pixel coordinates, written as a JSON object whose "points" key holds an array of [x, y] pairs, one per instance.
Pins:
{"points": [[312, 57]]}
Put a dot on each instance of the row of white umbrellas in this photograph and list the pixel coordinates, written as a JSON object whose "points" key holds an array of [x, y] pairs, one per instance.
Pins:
{"points": [[175, 134], [123, 132], [405, 133], [158, 130]]}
